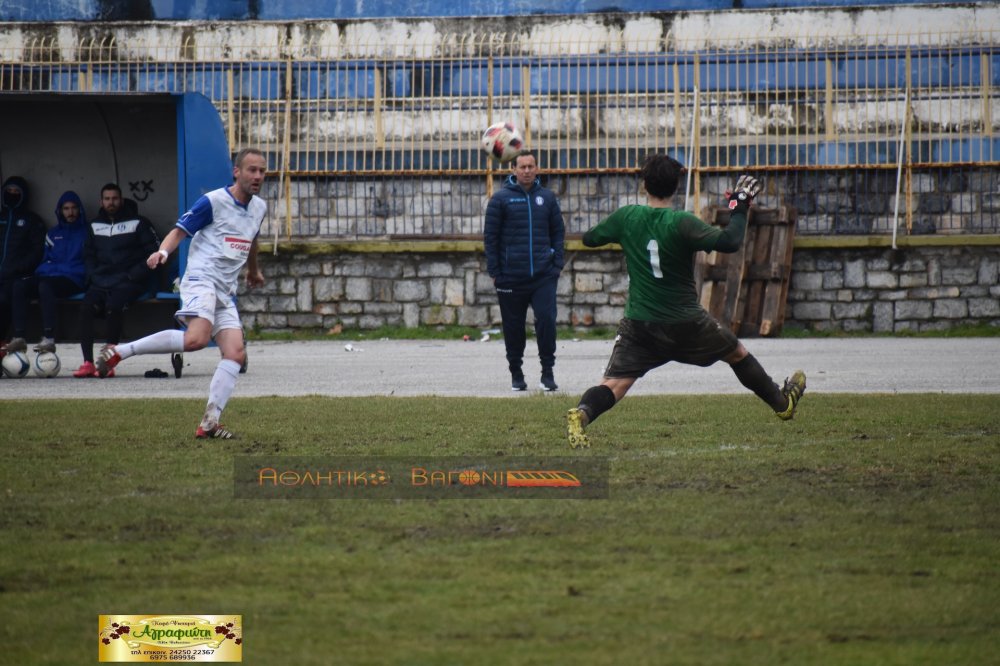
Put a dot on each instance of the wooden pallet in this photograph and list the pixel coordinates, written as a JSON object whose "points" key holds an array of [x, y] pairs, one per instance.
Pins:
{"points": [[747, 290]]}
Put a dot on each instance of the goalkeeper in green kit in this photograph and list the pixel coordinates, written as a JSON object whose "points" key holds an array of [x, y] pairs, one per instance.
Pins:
{"points": [[663, 319]]}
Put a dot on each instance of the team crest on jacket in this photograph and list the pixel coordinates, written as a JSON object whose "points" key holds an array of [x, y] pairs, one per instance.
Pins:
{"points": [[539, 200]]}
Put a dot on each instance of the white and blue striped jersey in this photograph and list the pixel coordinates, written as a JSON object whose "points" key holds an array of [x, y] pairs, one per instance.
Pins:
{"points": [[222, 230]]}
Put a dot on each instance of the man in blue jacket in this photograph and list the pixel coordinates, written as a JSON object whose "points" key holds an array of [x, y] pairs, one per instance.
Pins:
{"points": [[61, 273], [523, 238], [22, 241]]}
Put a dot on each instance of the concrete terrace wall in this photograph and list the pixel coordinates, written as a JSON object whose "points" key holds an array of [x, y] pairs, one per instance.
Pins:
{"points": [[278, 56], [327, 206], [179, 10], [843, 289], [222, 40], [873, 289]]}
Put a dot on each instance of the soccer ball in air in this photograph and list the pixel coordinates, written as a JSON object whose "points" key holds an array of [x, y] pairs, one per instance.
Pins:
{"points": [[15, 365], [46, 364], [502, 141]]}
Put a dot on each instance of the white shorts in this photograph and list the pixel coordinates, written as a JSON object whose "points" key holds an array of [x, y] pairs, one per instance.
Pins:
{"points": [[201, 299]]}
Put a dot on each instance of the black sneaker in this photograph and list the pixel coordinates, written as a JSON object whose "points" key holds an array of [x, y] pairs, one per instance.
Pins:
{"points": [[517, 382], [16, 345], [548, 382]]}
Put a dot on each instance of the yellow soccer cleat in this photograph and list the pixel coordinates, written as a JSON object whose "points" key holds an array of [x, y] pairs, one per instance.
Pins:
{"points": [[574, 429], [793, 390]]}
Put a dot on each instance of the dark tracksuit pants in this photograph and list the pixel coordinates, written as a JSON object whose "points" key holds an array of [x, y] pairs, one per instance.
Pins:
{"points": [[48, 289], [6, 298], [514, 300], [111, 303]]}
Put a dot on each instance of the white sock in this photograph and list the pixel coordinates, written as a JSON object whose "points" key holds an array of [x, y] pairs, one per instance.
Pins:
{"points": [[223, 383], [164, 342]]}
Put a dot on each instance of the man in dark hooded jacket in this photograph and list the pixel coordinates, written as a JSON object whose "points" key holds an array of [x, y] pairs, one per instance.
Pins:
{"points": [[22, 242], [118, 244]]}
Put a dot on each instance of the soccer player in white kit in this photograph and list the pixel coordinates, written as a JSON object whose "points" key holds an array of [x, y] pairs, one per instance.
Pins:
{"points": [[223, 224]]}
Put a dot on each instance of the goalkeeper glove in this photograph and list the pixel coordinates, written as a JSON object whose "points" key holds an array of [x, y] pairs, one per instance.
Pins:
{"points": [[741, 197]]}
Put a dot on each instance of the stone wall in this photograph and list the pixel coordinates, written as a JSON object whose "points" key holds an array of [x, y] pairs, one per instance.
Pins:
{"points": [[886, 291], [945, 201], [878, 290]]}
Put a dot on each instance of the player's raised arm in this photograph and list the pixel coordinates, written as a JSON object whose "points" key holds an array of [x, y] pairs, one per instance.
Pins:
{"points": [[169, 244], [740, 200], [607, 231]]}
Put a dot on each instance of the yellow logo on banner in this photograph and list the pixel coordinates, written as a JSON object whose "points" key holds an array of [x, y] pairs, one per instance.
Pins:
{"points": [[166, 638]]}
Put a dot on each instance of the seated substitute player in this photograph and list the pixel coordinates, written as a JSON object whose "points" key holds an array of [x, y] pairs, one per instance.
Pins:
{"points": [[663, 319], [118, 242], [62, 273], [224, 224], [22, 243]]}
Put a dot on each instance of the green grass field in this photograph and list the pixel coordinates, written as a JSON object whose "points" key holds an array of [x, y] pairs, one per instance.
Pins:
{"points": [[867, 531]]}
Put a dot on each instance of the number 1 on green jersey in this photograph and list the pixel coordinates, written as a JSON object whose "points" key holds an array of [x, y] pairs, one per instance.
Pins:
{"points": [[654, 258]]}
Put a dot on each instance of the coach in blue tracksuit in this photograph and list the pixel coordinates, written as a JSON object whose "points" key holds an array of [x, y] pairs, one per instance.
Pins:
{"points": [[523, 238]]}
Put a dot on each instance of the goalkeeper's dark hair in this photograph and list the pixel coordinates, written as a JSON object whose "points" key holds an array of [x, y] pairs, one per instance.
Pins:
{"points": [[660, 174]]}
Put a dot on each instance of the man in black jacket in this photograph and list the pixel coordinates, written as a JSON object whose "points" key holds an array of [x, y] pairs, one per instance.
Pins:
{"points": [[118, 244], [523, 237], [22, 243]]}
